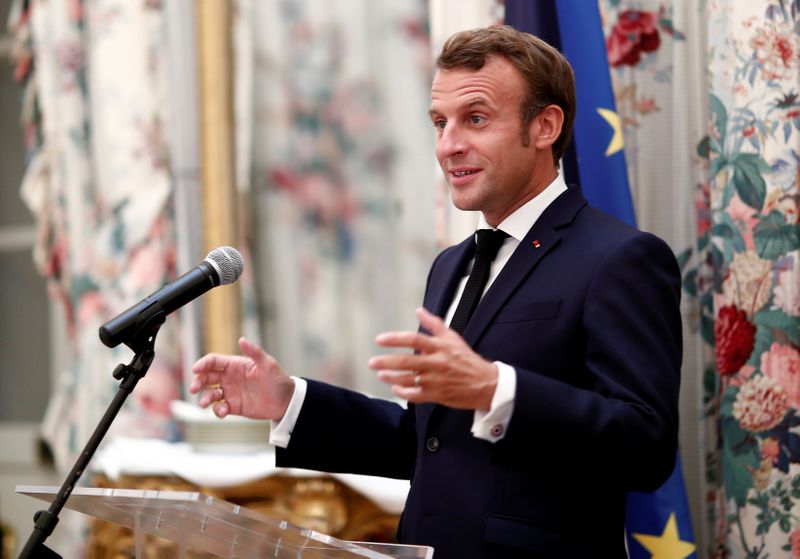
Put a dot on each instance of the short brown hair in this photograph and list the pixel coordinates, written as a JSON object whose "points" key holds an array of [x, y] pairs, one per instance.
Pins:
{"points": [[546, 72]]}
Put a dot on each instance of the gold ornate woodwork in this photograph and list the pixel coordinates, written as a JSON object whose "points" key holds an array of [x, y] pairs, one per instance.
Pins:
{"points": [[7, 549], [319, 503], [222, 306]]}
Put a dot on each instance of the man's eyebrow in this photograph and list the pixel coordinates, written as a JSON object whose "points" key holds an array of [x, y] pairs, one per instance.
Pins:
{"points": [[472, 103], [478, 101]]}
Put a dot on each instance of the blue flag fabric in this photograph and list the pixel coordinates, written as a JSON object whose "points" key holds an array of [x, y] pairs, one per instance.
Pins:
{"points": [[598, 130], [574, 26], [658, 524], [661, 521]]}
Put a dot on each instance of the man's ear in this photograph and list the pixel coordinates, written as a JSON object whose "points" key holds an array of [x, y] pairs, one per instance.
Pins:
{"points": [[546, 126]]}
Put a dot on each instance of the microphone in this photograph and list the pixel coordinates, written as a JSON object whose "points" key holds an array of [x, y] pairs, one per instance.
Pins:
{"points": [[222, 266]]}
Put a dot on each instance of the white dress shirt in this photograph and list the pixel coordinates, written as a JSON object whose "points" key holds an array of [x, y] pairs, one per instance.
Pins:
{"points": [[487, 425]]}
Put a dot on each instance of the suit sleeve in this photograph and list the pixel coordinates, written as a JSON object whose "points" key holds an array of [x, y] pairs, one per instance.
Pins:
{"points": [[340, 430], [625, 419]]}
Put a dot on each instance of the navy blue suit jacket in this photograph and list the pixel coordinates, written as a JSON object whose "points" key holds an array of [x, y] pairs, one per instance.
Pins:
{"points": [[588, 315]]}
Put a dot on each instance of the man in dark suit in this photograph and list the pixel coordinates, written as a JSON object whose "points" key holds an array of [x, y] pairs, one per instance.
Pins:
{"points": [[534, 407]]}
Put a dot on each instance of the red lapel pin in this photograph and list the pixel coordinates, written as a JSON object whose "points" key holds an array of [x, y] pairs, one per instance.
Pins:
{"points": [[536, 243]]}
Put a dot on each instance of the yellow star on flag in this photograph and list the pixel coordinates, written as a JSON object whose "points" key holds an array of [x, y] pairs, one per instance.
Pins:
{"points": [[617, 141], [668, 545]]}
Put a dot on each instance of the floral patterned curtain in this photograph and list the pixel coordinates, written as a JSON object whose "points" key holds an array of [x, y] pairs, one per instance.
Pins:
{"points": [[98, 184], [708, 93], [343, 162], [751, 285]]}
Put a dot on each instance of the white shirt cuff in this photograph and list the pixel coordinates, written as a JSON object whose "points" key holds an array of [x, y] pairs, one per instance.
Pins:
{"points": [[491, 425], [281, 431]]}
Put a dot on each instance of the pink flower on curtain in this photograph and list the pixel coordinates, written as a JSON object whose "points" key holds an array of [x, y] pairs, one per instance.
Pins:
{"points": [[325, 202], [735, 337], [23, 67], [760, 404], [702, 204], [647, 105], [746, 217], [75, 10], [794, 540], [782, 364], [744, 374], [634, 33], [775, 51], [71, 58], [91, 307]]}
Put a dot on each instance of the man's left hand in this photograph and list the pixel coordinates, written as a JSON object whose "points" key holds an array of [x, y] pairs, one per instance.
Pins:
{"points": [[444, 369]]}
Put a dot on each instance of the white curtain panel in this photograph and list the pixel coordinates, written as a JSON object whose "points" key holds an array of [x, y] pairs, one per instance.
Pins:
{"points": [[342, 178]]}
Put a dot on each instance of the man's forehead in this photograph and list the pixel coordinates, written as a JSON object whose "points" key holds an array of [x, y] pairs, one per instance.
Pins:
{"points": [[495, 67], [472, 87]]}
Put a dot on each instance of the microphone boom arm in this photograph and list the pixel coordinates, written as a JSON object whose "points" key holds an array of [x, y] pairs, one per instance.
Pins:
{"points": [[45, 521]]}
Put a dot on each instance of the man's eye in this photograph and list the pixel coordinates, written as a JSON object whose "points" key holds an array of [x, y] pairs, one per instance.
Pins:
{"points": [[439, 124], [476, 119]]}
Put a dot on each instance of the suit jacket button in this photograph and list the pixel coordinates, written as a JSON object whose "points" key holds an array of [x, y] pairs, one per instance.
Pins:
{"points": [[432, 444]]}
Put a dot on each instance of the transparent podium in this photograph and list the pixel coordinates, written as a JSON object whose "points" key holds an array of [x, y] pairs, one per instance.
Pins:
{"points": [[198, 522]]}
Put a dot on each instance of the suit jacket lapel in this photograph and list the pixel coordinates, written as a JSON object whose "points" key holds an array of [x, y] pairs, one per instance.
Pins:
{"points": [[541, 239], [444, 287]]}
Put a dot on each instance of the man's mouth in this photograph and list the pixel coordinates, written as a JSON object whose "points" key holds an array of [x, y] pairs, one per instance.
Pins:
{"points": [[463, 173]]}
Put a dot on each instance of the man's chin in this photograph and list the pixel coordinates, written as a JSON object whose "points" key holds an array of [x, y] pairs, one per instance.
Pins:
{"points": [[466, 205]]}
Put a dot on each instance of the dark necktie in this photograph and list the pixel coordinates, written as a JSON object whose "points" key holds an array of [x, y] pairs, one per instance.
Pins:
{"points": [[489, 242]]}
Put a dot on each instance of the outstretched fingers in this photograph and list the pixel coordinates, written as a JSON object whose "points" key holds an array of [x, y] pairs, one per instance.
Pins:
{"points": [[255, 352], [430, 322], [417, 341], [213, 362], [403, 362], [209, 369]]}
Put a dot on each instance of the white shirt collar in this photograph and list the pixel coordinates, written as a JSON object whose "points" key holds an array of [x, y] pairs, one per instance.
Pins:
{"points": [[522, 219]]}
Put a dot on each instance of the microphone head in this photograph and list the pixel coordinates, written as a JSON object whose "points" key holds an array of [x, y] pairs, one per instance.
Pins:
{"points": [[228, 263]]}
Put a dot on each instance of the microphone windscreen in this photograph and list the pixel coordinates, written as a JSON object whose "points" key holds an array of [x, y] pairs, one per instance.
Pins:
{"points": [[228, 262]]}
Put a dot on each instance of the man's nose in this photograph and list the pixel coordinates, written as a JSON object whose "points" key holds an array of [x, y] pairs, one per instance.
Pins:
{"points": [[452, 141]]}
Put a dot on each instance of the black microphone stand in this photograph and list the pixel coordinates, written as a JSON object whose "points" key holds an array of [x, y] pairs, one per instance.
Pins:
{"points": [[142, 342]]}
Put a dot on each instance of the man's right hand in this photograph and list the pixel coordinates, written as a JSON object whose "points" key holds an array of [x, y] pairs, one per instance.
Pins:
{"points": [[252, 385]]}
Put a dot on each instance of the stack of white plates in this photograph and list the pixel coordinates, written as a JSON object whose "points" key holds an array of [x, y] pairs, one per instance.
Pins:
{"points": [[205, 432]]}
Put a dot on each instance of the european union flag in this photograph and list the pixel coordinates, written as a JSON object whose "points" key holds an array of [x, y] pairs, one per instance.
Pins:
{"points": [[574, 26], [658, 524]]}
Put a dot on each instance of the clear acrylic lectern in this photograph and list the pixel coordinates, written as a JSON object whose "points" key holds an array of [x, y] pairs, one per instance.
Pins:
{"points": [[198, 522]]}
